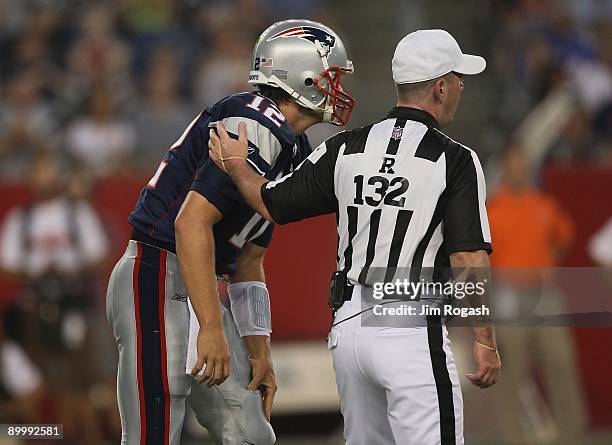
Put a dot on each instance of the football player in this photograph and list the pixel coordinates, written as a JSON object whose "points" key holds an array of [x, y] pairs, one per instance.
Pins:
{"points": [[192, 226]]}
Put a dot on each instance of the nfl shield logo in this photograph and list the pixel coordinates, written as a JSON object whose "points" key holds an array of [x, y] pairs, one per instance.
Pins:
{"points": [[397, 133]]}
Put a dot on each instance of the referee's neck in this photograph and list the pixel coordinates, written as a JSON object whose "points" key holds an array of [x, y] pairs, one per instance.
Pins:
{"points": [[429, 108]]}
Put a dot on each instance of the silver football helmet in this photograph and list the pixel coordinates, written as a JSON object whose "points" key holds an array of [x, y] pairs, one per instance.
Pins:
{"points": [[305, 59]]}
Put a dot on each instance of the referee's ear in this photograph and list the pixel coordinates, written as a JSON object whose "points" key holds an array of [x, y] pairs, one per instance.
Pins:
{"points": [[440, 89]]}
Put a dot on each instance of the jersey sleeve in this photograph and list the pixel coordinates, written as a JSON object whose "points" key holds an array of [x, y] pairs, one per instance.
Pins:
{"points": [[264, 239], [465, 220], [264, 148], [216, 186], [307, 191]]}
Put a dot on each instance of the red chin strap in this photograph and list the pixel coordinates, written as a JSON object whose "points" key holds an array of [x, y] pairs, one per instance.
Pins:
{"points": [[328, 83]]}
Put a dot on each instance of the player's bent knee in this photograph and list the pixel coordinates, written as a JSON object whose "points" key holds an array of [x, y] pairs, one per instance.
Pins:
{"points": [[231, 414], [258, 430]]}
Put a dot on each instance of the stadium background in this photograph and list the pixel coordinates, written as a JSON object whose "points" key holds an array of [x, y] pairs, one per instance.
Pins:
{"points": [[77, 73]]}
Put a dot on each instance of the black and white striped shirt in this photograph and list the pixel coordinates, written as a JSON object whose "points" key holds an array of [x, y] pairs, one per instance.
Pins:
{"points": [[405, 195]]}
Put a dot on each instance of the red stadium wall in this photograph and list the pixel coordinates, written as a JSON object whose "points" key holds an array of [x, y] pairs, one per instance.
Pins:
{"points": [[302, 256], [585, 193]]}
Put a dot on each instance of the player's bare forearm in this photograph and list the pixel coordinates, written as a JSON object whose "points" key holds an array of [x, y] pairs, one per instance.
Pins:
{"points": [[249, 267], [195, 249], [262, 370], [263, 377], [260, 357], [258, 348]]}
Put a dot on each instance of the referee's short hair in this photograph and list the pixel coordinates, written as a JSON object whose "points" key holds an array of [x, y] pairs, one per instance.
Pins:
{"points": [[415, 92]]}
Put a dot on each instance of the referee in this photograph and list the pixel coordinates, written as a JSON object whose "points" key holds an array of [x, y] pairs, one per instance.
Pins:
{"points": [[405, 196]]}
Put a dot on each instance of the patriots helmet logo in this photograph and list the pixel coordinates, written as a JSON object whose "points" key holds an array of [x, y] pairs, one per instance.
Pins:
{"points": [[309, 33]]}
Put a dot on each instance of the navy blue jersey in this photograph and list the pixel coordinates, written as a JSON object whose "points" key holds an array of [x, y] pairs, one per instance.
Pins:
{"points": [[273, 152]]}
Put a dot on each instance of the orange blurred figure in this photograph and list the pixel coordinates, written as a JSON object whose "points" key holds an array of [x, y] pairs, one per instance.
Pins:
{"points": [[532, 233], [529, 228]]}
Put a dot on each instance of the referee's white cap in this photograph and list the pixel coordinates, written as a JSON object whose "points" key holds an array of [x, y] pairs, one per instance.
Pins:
{"points": [[431, 53]]}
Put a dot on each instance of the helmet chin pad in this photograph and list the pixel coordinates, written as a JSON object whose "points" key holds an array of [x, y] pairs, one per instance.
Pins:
{"points": [[339, 104]]}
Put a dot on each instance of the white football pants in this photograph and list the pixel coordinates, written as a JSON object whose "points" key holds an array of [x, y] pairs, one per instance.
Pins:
{"points": [[397, 385]]}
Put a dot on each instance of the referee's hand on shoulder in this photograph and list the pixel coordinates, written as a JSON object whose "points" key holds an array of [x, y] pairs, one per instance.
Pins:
{"points": [[224, 150]]}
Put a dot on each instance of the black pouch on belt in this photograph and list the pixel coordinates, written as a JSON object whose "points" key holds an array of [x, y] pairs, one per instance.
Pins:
{"points": [[336, 290]]}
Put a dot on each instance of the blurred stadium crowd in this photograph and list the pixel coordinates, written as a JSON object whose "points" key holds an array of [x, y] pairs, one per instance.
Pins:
{"points": [[554, 59], [106, 88], [91, 90]]}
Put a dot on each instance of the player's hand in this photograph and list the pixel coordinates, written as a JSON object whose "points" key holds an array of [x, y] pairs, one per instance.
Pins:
{"points": [[264, 380], [225, 151], [489, 366], [213, 355]]}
